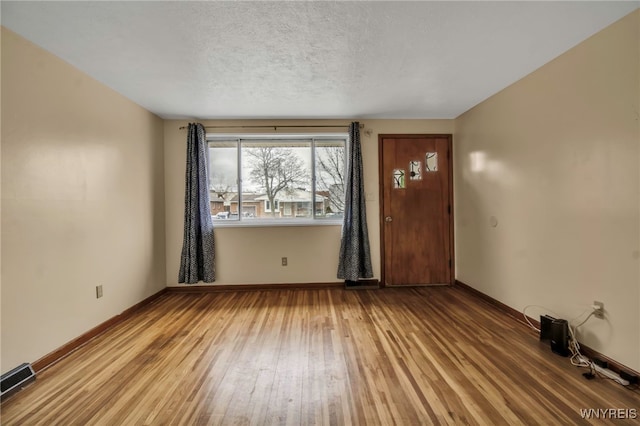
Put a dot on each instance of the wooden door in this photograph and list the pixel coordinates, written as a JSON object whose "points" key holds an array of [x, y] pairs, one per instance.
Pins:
{"points": [[416, 198]]}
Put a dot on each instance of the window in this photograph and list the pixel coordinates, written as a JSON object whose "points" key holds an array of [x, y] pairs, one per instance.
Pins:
{"points": [[267, 206], [277, 179]]}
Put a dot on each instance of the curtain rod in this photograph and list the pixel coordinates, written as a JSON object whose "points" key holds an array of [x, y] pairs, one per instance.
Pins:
{"points": [[276, 127]]}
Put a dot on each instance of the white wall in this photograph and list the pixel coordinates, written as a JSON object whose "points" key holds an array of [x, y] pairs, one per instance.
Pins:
{"points": [[555, 158], [82, 202], [252, 255]]}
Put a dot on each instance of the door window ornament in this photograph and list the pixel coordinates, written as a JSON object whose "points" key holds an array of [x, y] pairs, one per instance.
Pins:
{"points": [[415, 170], [431, 162], [398, 179]]}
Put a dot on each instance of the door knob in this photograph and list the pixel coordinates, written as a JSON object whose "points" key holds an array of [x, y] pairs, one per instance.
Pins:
{"points": [[388, 219]]}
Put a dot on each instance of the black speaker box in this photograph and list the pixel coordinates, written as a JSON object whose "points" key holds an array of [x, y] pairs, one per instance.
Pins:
{"points": [[560, 337], [545, 327]]}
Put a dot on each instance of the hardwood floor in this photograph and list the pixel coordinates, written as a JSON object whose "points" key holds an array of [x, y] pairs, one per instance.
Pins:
{"points": [[324, 356]]}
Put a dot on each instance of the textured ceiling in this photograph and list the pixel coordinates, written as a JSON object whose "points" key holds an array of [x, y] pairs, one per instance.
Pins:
{"points": [[308, 59]]}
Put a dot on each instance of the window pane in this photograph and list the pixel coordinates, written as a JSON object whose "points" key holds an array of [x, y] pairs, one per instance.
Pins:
{"points": [[276, 179], [431, 163], [330, 178], [223, 177], [398, 178], [415, 171]]}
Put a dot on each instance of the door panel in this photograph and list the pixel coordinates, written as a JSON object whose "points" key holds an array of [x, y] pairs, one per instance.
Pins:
{"points": [[416, 205]]}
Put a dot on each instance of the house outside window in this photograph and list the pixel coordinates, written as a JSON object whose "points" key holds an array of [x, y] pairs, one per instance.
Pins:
{"points": [[277, 180]]}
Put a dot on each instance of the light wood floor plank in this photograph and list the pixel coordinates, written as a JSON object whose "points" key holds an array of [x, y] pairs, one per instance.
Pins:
{"points": [[405, 356]]}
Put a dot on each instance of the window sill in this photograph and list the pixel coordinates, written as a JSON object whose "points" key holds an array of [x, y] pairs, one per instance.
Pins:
{"points": [[256, 223]]}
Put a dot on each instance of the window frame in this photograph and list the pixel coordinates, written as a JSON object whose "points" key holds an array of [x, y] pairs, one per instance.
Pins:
{"points": [[242, 139]]}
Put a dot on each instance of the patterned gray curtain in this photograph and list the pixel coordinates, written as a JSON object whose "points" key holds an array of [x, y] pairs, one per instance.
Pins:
{"points": [[355, 254], [197, 262]]}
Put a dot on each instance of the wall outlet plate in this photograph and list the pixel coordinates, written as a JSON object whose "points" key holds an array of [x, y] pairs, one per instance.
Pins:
{"points": [[598, 308]]}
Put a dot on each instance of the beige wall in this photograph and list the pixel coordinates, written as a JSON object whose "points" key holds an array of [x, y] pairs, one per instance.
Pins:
{"points": [[1, 368], [82, 202], [555, 158], [637, 108], [252, 255]]}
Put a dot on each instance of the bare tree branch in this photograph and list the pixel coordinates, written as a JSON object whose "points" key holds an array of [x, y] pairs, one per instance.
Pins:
{"points": [[275, 169], [331, 175]]}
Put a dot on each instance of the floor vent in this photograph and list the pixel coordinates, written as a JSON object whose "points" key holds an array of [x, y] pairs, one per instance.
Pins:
{"points": [[16, 379]]}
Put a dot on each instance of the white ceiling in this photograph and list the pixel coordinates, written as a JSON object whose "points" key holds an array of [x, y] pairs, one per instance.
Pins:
{"points": [[186, 59]]}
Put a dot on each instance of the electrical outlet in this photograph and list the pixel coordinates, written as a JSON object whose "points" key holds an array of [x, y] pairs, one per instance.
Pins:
{"points": [[598, 308], [284, 261], [98, 291]]}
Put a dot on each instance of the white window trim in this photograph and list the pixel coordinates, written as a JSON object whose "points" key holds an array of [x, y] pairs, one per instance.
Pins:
{"points": [[270, 223]]}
